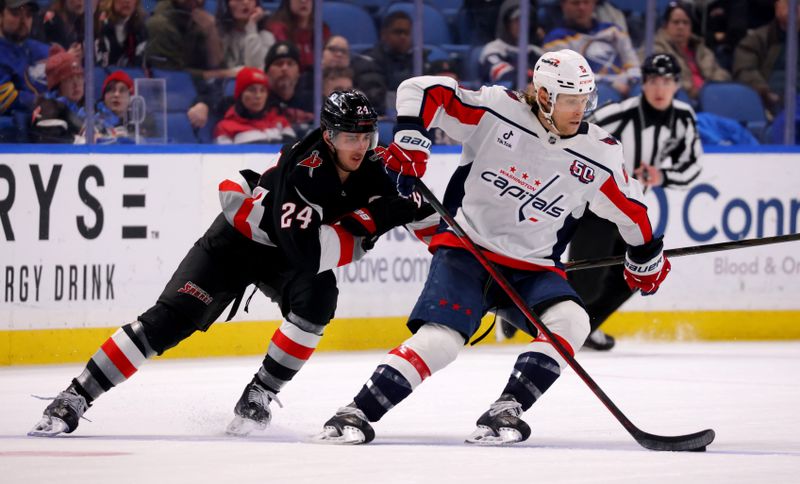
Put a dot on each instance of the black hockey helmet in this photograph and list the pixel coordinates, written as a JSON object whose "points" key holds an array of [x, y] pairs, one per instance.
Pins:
{"points": [[661, 65], [349, 111]]}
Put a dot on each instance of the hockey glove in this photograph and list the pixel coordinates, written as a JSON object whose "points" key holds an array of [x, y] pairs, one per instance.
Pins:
{"points": [[406, 158], [378, 217], [646, 266]]}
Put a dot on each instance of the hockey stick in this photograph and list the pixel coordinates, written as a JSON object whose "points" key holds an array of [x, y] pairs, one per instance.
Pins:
{"points": [[679, 252], [691, 442]]}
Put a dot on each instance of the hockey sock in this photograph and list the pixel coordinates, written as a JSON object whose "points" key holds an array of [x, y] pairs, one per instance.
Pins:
{"points": [[430, 349], [385, 389], [533, 374], [290, 348], [116, 361]]}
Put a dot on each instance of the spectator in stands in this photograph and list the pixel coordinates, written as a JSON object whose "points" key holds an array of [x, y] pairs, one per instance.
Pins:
{"points": [[245, 38], [604, 11], [22, 59], [62, 23], [382, 68], [111, 112], [120, 33], [183, 36], [335, 55], [727, 22], [59, 115], [249, 120], [760, 58], [283, 70], [697, 62], [336, 79], [294, 22], [336, 52], [499, 57], [607, 48]]}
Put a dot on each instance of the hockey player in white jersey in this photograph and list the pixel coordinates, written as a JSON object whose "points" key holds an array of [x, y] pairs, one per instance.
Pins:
{"points": [[530, 167]]}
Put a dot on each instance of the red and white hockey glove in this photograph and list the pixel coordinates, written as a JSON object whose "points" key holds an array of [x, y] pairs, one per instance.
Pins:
{"points": [[406, 158], [646, 266]]}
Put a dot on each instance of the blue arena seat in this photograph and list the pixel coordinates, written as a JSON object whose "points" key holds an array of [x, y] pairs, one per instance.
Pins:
{"points": [[471, 70], [350, 21], [179, 130], [434, 25], [181, 92], [736, 101], [449, 8]]}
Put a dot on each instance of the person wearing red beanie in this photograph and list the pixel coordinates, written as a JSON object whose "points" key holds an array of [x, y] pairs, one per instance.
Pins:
{"points": [[249, 120], [117, 91]]}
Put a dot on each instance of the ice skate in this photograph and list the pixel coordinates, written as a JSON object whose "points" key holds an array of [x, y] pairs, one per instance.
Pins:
{"points": [[252, 411], [348, 426], [501, 425], [62, 415], [599, 341]]}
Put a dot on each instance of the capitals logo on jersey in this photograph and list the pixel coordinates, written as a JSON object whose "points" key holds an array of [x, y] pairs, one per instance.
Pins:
{"points": [[583, 172], [313, 161], [521, 187]]}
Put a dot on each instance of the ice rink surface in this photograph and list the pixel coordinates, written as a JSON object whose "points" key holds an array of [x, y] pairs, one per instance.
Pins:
{"points": [[166, 424]]}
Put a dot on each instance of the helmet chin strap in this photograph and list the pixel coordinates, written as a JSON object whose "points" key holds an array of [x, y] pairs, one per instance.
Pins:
{"points": [[548, 115]]}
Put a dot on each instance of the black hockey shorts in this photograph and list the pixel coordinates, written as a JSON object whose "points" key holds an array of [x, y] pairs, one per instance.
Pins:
{"points": [[216, 271]]}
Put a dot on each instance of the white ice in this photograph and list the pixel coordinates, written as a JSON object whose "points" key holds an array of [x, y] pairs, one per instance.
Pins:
{"points": [[166, 423]]}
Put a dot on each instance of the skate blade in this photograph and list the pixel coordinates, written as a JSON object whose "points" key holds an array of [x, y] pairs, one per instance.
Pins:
{"points": [[241, 427], [48, 427], [485, 436], [350, 436]]}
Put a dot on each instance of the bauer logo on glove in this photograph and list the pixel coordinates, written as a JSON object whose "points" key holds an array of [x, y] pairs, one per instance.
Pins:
{"points": [[646, 267]]}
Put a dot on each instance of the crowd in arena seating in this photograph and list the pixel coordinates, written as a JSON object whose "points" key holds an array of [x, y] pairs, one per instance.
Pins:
{"points": [[242, 71]]}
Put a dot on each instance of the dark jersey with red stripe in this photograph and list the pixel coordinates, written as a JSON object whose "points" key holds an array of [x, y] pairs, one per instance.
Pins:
{"points": [[295, 204]]}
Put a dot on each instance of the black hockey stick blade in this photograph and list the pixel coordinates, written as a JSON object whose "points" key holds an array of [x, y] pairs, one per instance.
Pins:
{"points": [[679, 443], [682, 251], [696, 442]]}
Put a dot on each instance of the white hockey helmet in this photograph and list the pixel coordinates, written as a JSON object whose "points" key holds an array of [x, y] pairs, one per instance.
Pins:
{"points": [[563, 72]]}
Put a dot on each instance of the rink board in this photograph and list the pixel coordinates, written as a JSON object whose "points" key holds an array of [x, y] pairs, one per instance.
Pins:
{"points": [[88, 239]]}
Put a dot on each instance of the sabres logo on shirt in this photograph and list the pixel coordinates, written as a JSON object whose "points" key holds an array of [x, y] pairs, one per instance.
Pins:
{"points": [[313, 161]]}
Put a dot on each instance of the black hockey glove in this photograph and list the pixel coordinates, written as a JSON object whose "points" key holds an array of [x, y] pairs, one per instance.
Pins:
{"points": [[380, 216]]}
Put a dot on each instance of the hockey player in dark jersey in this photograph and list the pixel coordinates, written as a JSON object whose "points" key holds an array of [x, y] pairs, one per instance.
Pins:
{"points": [[322, 206], [530, 166]]}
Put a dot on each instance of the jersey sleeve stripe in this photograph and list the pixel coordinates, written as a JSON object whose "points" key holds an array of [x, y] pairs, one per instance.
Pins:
{"points": [[632, 209], [346, 245], [230, 186], [442, 96], [240, 219]]}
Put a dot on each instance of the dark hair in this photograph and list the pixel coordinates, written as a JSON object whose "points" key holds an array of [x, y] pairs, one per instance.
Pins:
{"points": [[284, 15], [392, 17], [678, 5]]}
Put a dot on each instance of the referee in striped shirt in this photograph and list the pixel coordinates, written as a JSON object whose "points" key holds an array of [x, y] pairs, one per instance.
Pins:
{"points": [[661, 148]]}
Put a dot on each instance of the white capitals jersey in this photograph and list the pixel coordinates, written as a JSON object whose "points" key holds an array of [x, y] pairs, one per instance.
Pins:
{"points": [[519, 190]]}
